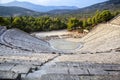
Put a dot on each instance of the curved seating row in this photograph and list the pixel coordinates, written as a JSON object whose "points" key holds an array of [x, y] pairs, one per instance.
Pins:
{"points": [[18, 39]]}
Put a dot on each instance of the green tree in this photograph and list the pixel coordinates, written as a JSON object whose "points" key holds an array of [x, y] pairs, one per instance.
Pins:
{"points": [[105, 15], [72, 24], [2, 21], [85, 24], [16, 22], [89, 21], [96, 18]]}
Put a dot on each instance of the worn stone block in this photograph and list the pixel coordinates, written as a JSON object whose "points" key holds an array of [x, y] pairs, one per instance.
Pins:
{"points": [[57, 71], [78, 71], [24, 69], [73, 64], [97, 71], [6, 66], [9, 75], [58, 77]]}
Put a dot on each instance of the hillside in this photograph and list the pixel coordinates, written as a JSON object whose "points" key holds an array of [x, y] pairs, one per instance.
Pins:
{"points": [[16, 11], [58, 11], [108, 5], [38, 8], [112, 5]]}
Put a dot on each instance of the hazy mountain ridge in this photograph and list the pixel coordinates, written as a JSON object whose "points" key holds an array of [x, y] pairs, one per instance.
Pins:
{"points": [[38, 8], [16, 11], [113, 5], [109, 5]]}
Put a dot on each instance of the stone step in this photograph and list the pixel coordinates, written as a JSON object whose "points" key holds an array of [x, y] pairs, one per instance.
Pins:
{"points": [[57, 71], [6, 67], [22, 69], [97, 72], [10, 75], [71, 77], [78, 72]]}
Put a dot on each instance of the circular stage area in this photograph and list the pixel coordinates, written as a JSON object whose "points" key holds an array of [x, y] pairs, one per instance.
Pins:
{"points": [[62, 44]]}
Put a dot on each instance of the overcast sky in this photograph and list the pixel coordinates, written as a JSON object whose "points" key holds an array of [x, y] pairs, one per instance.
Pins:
{"points": [[78, 3]]}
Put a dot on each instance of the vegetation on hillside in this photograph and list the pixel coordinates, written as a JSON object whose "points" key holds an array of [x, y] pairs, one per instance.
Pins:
{"points": [[111, 5], [32, 24], [45, 23], [89, 23]]}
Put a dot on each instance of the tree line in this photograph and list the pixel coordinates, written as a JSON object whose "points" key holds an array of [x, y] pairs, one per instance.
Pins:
{"points": [[32, 24], [45, 23], [89, 23]]}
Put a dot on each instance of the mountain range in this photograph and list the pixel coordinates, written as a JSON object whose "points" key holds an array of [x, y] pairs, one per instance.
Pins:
{"points": [[16, 11], [16, 8], [112, 5], [37, 8]]}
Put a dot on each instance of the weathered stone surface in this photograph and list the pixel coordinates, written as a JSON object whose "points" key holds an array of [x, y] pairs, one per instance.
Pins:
{"points": [[114, 73], [6, 67], [116, 20], [71, 77], [24, 69], [61, 64], [23, 76], [37, 63], [25, 41], [97, 71], [9, 75], [57, 71], [101, 58], [99, 77], [59, 77], [73, 64], [112, 68], [78, 71]]}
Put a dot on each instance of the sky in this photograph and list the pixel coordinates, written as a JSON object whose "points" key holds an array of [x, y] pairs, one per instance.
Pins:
{"points": [[78, 3]]}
